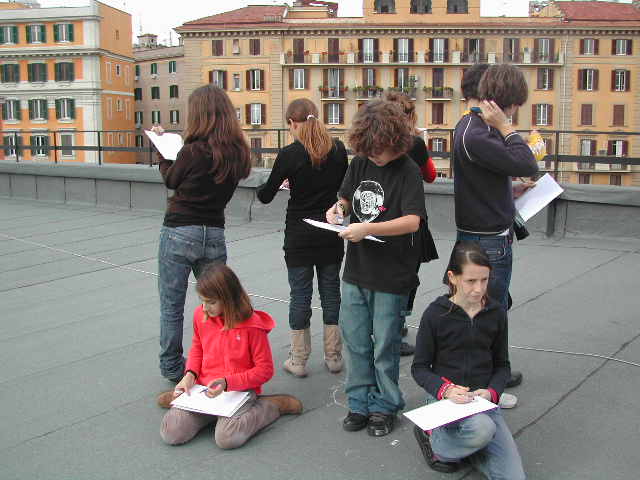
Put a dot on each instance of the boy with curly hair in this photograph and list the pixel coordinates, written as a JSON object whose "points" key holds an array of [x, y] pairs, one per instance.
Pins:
{"points": [[383, 194]]}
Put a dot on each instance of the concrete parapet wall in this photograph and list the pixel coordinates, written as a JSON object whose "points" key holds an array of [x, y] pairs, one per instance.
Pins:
{"points": [[582, 210]]}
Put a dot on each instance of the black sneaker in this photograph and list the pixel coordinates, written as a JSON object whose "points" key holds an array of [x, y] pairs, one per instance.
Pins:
{"points": [[425, 445], [406, 349], [380, 424], [354, 422], [515, 380]]}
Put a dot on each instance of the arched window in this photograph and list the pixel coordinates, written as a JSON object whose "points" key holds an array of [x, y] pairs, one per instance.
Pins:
{"points": [[385, 6], [457, 6], [420, 6]]}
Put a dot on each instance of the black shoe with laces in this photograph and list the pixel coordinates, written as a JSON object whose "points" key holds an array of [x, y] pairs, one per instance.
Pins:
{"points": [[515, 380], [380, 424], [425, 445], [354, 422]]}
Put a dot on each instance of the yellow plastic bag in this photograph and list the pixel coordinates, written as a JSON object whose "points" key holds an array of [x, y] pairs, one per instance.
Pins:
{"points": [[537, 146]]}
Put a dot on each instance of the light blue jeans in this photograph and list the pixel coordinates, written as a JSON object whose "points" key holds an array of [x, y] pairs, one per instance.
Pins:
{"points": [[370, 322], [182, 250], [485, 441]]}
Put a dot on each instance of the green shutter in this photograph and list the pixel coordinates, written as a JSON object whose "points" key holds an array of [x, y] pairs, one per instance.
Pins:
{"points": [[58, 70], [72, 109], [72, 71], [28, 30], [30, 72], [56, 33], [43, 33], [18, 110], [70, 32], [30, 109], [16, 73], [2, 39], [58, 108], [44, 72], [45, 109], [32, 142], [3, 72], [15, 34], [4, 111]]}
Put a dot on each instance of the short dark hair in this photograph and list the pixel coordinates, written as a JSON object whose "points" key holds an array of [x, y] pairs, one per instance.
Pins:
{"points": [[504, 84], [471, 80], [380, 126]]}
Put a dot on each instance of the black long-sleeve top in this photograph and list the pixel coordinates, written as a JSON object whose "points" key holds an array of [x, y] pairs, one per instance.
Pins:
{"points": [[483, 165], [312, 191], [453, 348]]}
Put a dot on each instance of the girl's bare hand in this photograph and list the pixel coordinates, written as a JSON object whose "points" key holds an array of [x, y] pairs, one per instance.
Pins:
{"points": [[157, 129], [216, 387]]}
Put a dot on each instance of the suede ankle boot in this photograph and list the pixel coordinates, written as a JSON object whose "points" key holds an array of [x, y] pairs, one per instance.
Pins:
{"points": [[287, 404], [333, 348], [299, 353]]}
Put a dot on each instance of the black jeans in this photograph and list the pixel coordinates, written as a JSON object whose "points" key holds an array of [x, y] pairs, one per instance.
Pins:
{"points": [[301, 284]]}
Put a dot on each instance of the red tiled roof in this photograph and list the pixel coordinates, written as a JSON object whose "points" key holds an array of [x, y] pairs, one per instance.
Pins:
{"points": [[247, 15], [601, 11]]}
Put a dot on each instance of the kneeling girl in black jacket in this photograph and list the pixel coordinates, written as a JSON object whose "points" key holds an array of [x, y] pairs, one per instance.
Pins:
{"points": [[461, 352]]}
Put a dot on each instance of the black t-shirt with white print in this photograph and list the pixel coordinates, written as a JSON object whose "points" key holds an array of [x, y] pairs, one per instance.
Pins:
{"points": [[379, 194]]}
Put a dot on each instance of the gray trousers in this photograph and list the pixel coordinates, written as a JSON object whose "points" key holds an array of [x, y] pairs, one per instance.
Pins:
{"points": [[180, 426]]}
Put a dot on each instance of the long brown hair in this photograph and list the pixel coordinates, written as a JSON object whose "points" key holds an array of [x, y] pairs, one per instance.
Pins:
{"points": [[312, 133], [212, 118], [408, 107], [218, 282]]}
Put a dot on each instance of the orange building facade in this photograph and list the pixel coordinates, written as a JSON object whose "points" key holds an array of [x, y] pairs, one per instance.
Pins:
{"points": [[67, 74]]}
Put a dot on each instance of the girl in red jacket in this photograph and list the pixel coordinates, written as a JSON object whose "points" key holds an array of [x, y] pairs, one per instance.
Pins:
{"points": [[229, 352]]}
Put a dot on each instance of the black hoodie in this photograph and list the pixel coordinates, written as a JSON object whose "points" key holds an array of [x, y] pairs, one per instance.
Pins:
{"points": [[453, 348]]}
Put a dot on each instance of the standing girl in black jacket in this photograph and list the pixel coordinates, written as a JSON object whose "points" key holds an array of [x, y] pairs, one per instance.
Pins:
{"points": [[461, 353], [315, 165]]}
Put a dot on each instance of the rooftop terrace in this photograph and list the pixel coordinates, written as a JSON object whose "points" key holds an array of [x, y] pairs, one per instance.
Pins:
{"points": [[79, 339]]}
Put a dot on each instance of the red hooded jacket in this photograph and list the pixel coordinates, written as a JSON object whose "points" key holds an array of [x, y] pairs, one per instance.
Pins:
{"points": [[241, 355]]}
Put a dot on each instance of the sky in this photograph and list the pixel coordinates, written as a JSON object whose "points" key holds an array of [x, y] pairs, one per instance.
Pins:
{"points": [[164, 15]]}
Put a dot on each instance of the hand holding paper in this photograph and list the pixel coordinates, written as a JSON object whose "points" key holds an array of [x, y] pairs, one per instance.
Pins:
{"points": [[535, 199], [336, 228], [168, 144]]}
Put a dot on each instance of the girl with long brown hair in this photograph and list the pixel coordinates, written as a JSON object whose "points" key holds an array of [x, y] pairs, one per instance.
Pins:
{"points": [[315, 165], [214, 158], [230, 352]]}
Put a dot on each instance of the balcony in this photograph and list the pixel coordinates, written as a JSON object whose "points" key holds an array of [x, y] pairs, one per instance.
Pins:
{"points": [[438, 93], [473, 57], [336, 57], [332, 93], [290, 58], [409, 91], [438, 57], [368, 92]]}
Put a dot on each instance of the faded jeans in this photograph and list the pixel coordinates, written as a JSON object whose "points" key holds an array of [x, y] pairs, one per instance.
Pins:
{"points": [[301, 285], [182, 250], [370, 322]]}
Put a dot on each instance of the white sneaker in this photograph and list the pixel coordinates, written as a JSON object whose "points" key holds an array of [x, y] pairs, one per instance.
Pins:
{"points": [[507, 400]]}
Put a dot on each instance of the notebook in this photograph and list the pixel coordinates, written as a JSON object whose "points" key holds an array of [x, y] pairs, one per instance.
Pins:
{"points": [[444, 412], [224, 405]]}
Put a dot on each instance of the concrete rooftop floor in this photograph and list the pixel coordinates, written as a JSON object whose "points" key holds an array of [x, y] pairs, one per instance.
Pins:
{"points": [[79, 342]]}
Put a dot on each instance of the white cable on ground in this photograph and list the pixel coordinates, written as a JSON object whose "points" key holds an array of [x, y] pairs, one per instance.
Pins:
{"points": [[137, 270]]}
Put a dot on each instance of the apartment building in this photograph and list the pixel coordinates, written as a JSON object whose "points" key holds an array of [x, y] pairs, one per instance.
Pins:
{"points": [[580, 59], [159, 95], [67, 70]]}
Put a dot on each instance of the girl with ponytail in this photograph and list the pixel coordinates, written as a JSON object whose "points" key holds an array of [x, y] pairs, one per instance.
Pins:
{"points": [[315, 165]]}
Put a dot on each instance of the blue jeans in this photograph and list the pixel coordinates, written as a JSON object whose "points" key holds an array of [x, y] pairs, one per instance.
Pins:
{"points": [[485, 440], [301, 285], [182, 250], [370, 322], [498, 248]]}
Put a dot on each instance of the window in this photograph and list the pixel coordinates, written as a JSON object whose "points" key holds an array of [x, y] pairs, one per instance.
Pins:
{"points": [[118, 105], [107, 67], [403, 50], [333, 81], [139, 141], [10, 73], [545, 79], [420, 6], [139, 118], [621, 47], [542, 114], [298, 50], [11, 110], [437, 145], [617, 148], [437, 113], [37, 72], [587, 149], [236, 82], [255, 79], [238, 115], [173, 91], [254, 46], [174, 117], [513, 119], [127, 75], [65, 109], [235, 48], [109, 108], [218, 78], [256, 113], [588, 79], [589, 46], [620, 80], [368, 50], [36, 33], [173, 66], [438, 50], [9, 140], [38, 110], [586, 114], [615, 179], [334, 113], [65, 72], [155, 117], [137, 94], [38, 144], [66, 142], [333, 47], [137, 72], [154, 69], [155, 93], [473, 50], [384, 6], [511, 49], [457, 6], [8, 34], [402, 78], [369, 77], [217, 49], [118, 69], [117, 34], [618, 115], [584, 178], [299, 79], [544, 50]]}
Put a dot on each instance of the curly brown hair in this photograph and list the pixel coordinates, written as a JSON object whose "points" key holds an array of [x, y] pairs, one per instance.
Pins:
{"points": [[380, 126], [408, 106], [504, 84]]}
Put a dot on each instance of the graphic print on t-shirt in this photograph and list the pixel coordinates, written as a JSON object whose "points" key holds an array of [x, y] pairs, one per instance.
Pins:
{"points": [[368, 200]]}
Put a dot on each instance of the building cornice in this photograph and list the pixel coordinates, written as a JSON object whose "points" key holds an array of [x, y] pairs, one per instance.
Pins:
{"points": [[17, 53]]}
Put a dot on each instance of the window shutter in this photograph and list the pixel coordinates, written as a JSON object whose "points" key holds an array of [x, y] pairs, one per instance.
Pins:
{"points": [[72, 109], [625, 148], [411, 50], [376, 50], [629, 52], [592, 147], [430, 59], [534, 117], [466, 49], [341, 113], [395, 77], [248, 79], [444, 144], [375, 82], [596, 74], [395, 49], [72, 71], [32, 142], [45, 109], [56, 33], [247, 113], [325, 113], [58, 109], [613, 80], [540, 78], [31, 107], [224, 80], [263, 80], [28, 31], [263, 114], [325, 78], [70, 32], [57, 68], [596, 46], [43, 33], [446, 49], [430, 145], [360, 50], [552, 50], [341, 77], [550, 114], [582, 47], [291, 79], [613, 46], [548, 142], [580, 79], [4, 112], [3, 40], [305, 78], [551, 79], [30, 72], [364, 77], [610, 147], [627, 80], [481, 52]]}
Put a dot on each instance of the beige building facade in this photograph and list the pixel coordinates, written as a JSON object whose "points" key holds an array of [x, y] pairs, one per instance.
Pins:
{"points": [[581, 60]]}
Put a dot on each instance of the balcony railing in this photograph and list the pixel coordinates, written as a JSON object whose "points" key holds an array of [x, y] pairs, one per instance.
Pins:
{"points": [[332, 92], [368, 57], [538, 57], [333, 57], [440, 93], [368, 91], [438, 57], [474, 57], [409, 91], [297, 57]]}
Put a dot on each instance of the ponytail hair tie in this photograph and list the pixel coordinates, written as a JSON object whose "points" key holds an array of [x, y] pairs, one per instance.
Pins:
{"points": [[309, 117]]}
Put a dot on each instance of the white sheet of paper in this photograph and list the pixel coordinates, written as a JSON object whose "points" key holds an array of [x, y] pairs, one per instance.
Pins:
{"points": [[224, 405], [445, 411], [337, 228], [538, 197], [168, 144]]}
